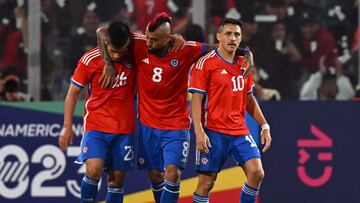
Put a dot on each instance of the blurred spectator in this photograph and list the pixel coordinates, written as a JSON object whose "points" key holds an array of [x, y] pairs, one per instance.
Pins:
{"points": [[315, 42], [12, 92], [261, 92], [14, 42], [194, 33], [84, 39], [281, 63], [327, 85], [250, 36], [320, 87], [11, 85], [145, 10], [273, 10], [276, 8], [295, 10]]}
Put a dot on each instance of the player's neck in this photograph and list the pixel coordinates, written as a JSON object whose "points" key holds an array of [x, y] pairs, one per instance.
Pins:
{"points": [[228, 56]]}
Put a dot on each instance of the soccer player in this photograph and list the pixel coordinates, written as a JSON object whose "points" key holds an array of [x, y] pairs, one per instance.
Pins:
{"points": [[162, 80], [109, 116], [219, 76]]}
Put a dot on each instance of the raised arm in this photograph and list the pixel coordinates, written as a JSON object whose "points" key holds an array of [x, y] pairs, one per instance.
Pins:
{"points": [[66, 134], [107, 78], [253, 108], [202, 140]]}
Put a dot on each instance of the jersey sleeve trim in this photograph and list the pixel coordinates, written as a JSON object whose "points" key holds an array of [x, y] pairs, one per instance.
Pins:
{"points": [[195, 90], [136, 35], [252, 89], [90, 56], [77, 84]]}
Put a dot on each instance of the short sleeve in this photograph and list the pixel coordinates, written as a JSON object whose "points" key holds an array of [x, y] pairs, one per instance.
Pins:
{"points": [[199, 77], [82, 75], [250, 85], [194, 50]]}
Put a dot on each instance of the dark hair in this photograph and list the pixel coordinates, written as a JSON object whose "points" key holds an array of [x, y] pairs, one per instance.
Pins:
{"points": [[119, 34], [158, 20], [276, 3], [248, 16], [226, 21], [194, 32], [308, 17], [12, 70]]}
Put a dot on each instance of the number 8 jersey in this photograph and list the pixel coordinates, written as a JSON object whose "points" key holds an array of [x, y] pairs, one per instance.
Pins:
{"points": [[162, 84], [226, 90]]}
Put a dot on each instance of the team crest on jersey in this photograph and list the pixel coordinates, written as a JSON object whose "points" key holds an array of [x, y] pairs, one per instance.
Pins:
{"points": [[84, 150], [141, 160], [174, 63], [204, 161]]}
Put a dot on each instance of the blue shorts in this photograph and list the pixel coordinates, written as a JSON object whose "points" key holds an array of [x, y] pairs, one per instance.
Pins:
{"points": [[117, 150], [159, 148], [241, 148]]}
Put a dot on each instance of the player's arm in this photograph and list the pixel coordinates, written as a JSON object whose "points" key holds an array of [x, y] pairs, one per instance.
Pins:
{"points": [[107, 77], [66, 134], [253, 108], [202, 140], [248, 63]]}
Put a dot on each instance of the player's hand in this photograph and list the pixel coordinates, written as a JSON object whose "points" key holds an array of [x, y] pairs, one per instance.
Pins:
{"points": [[178, 42], [65, 138], [202, 141], [248, 63], [265, 139], [107, 78]]}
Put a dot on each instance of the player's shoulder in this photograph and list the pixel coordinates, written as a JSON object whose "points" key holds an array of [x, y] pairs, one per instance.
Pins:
{"points": [[191, 45], [91, 56], [205, 60]]}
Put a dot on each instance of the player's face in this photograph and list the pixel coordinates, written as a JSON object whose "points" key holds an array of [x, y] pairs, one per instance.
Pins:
{"points": [[156, 40], [117, 53], [229, 37]]}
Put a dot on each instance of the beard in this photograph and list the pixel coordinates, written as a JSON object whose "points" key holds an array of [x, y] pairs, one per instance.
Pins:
{"points": [[162, 51]]}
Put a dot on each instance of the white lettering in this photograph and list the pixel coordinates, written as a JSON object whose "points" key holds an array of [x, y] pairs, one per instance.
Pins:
{"points": [[31, 131], [20, 129], [9, 131]]}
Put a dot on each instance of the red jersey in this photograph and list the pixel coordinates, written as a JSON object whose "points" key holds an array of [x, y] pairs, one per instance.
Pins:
{"points": [[162, 84], [107, 110], [226, 90]]}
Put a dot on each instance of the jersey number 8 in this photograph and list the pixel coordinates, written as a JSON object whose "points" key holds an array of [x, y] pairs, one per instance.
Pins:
{"points": [[157, 74]]}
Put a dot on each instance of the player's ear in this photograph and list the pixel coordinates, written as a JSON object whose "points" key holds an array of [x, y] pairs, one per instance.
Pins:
{"points": [[218, 36]]}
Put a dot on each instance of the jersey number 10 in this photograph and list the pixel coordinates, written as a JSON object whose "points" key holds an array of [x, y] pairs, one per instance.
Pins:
{"points": [[237, 83]]}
